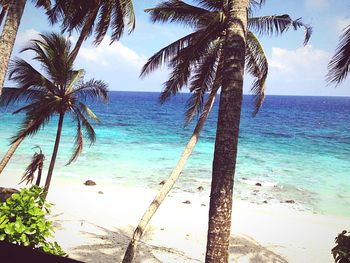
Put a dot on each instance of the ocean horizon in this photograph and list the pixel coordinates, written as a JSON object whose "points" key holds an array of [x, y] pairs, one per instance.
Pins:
{"points": [[297, 148]]}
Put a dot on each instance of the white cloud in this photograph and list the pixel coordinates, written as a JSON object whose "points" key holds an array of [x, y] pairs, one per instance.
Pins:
{"points": [[306, 62], [317, 4], [119, 66], [341, 23], [24, 37], [300, 71], [107, 55]]}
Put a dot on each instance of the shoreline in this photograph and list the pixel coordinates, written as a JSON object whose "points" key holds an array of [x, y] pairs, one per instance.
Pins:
{"points": [[96, 227]]}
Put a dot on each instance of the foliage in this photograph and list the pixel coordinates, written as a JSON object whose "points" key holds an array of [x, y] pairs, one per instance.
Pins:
{"points": [[196, 59], [341, 252], [23, 222]]}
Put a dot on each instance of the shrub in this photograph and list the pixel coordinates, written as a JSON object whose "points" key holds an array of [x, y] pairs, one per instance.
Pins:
{"points": [[341, 252], [23, 222]]}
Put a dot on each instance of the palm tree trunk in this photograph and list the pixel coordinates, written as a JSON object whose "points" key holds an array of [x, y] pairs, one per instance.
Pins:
{"points": [[54, 155], [83, 34], [9, 154], [8, 36], [40, 170], [225, 153], [169, 183]]}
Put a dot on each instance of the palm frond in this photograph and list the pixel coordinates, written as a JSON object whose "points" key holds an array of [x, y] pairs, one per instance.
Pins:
{"points": [[176, 11], [188, 58], [78, 143], [339, 66], [11, 96], [104, 19], [43, 3], [89, 130], [52, 52], [257, 66], [37, 115], [87, 111], [28, 77], [167, 53], [92, 89], [130, 14], [277, 24], [212, 5], [35, 164], [202, 81]]}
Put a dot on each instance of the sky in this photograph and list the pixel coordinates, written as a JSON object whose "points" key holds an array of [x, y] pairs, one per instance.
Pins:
{"points": [[294, 69]]}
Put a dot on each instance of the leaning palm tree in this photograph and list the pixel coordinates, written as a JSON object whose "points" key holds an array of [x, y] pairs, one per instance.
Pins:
{"points": [[60, 91], [13, 9], [198, 61], [88, 16], [339, 66], [5, 4], [36, 164]]}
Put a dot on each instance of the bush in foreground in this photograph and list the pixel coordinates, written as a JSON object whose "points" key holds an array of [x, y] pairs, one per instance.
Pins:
{"points": [[341, 252], [23, 222]]}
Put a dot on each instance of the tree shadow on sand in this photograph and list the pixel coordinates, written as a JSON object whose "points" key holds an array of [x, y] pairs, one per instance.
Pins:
{"points": [[246, 249], [109, 246]]}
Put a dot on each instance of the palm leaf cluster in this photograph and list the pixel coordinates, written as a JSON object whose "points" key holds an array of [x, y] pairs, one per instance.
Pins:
{"points": [[88, 16], [196, 59], [36, 164], [339, 66], [59, 90]]}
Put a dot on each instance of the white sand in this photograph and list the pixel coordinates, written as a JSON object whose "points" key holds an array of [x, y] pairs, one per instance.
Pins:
{"points": [[94, 227]]}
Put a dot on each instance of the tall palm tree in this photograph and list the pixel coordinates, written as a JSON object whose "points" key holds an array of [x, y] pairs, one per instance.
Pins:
{"points": [[88, 16], [14, 11], [339, 66], [60, 90], [195, 61]]}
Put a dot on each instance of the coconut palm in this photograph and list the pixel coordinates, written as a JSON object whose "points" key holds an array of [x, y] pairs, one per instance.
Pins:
{"points": [[59, 91], [195, 62], [339, 66], [37, 163], [88, 16], [14, 11]]}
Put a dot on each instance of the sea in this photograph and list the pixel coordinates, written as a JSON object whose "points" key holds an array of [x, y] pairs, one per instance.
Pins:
{"points": [[295, 152]]}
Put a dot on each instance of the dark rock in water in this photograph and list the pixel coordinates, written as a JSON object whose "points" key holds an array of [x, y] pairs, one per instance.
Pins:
{"points": [[187, 202], [90, 182], [258, 184], [200, 188], [244, 178], [290, 201], [265, 202], [6, 193], [203, 204], [100, 192], [162, 229], [162, 182]]}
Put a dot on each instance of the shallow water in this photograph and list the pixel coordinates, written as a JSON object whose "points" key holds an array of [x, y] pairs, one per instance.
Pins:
{"points": [[297, 148]]}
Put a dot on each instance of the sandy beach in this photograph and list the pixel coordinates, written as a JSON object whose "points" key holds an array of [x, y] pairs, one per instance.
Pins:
{"points": [[94, 224]]}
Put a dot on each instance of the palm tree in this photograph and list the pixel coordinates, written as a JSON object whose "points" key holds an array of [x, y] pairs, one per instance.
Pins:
{"points": [[81, 15], [88, 16], [339, 66], [60, 91], [14, 11], [36, 163], [195, 61]]}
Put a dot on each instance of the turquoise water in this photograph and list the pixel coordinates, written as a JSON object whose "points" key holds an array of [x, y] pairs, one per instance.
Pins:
{"points": [[297, 148]]}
